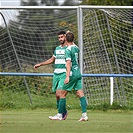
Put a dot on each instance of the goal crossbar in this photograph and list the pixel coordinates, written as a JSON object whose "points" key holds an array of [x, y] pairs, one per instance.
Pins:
{"points": [[66, 7]]}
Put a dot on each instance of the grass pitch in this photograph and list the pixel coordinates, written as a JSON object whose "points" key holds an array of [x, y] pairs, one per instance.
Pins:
{"points": [[36, 121]]}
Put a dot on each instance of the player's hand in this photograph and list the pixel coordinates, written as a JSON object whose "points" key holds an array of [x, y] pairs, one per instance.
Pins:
{"points": [[66, 80], [37, 65]]}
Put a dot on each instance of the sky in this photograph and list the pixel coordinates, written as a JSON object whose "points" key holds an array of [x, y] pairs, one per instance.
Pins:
{"points": [[9, 2]]}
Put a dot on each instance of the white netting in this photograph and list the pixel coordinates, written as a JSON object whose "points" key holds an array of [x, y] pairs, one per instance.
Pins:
{"points": [[31, 36], [108, 48]]}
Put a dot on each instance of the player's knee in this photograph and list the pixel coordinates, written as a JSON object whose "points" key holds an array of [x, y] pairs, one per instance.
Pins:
{"points": [[80, 93], [58, 94], [63, 94]]}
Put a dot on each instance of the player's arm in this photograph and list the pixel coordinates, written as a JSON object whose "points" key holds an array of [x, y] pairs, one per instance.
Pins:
{"points": [[49, 61], [68, 69]]}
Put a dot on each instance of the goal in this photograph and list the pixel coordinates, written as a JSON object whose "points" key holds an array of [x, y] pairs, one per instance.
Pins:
{"points": [[28, 35], [108, 48]]}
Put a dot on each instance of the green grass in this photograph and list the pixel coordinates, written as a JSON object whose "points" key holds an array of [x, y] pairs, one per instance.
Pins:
{"points": [[20, 100], [36, 121]]}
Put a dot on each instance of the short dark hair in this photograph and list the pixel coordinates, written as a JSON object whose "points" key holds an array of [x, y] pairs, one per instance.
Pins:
{"points": [[61, 32], [70, 37]]}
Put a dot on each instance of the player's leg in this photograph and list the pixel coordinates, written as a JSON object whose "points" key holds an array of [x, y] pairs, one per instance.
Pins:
{"points": [[83, 102], [62, 112], [54, 88], [61, 102], [65, 89], [56, 80], [57, 98]]}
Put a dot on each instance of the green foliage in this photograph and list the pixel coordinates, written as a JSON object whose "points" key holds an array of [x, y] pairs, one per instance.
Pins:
{"points": [[76, 2], [107, 2], [9, 83], [29, 3], [50, 2], [13, 100]]}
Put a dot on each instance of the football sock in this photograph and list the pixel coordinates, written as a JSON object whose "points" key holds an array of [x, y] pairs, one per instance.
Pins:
{"points": [[57, 103], [62, 105], [83, 103]]}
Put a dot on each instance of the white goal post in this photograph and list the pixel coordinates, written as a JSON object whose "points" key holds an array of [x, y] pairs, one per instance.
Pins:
{"points": [[104, 34]]}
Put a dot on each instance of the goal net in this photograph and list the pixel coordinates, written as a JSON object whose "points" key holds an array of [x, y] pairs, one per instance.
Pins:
{"points": [[29, 36], [108, 48]]}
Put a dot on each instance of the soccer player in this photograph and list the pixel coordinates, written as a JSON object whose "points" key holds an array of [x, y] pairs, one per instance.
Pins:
{"points": [[60, 69], [72, 80]]}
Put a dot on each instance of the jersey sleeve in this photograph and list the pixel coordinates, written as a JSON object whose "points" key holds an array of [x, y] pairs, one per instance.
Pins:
{"points": [[68, 54], [54, 54]]}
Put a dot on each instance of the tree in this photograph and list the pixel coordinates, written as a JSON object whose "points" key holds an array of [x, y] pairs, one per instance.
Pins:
{"points": [[49, 2], [29, 3], [107, 2], [71, 3]]}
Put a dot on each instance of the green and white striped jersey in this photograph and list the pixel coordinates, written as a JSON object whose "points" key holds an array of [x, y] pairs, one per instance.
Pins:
{"points": [[60, 63]]}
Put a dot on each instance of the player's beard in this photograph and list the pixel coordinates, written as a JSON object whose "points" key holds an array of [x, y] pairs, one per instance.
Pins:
{"points": [[62, 42]]}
